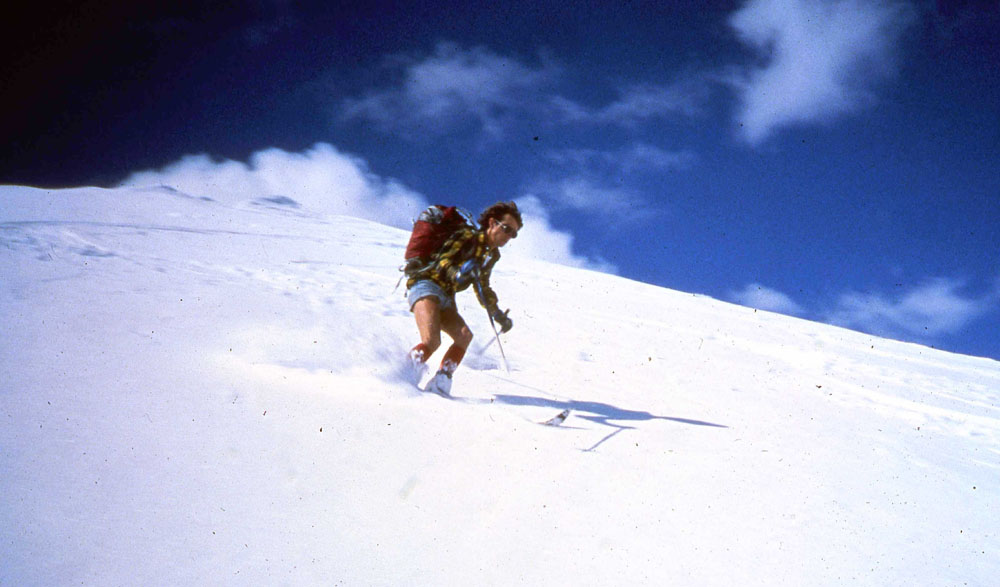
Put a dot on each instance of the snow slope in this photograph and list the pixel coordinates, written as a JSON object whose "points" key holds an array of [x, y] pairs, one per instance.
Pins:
{"points": [[200, 393]]}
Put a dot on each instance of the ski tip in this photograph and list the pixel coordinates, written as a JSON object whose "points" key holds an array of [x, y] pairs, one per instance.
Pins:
{"points": [[557, 419]]}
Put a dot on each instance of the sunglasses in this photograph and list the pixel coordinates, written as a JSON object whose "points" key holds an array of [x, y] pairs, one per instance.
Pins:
{"points": [[511, 232]]}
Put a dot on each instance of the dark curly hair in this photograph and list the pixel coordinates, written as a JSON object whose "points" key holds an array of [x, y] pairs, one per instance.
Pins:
{"points": [[498, 211]]}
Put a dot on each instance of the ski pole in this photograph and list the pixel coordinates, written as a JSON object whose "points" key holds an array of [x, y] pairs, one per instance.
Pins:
{"points": [[487, 345], [500, 346], [496, 335]]}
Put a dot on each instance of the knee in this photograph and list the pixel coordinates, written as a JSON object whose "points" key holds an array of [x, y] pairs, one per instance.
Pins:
{"points": [[464, 337]]}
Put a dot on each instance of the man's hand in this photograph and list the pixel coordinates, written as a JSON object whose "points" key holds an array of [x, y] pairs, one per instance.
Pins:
{"points": [[503, 320]]}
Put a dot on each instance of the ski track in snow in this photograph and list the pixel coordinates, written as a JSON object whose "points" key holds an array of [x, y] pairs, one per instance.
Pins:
{"points": [[199, 393]]}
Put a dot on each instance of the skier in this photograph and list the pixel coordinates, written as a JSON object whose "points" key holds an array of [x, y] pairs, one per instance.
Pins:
{"points": [[465, 259]]}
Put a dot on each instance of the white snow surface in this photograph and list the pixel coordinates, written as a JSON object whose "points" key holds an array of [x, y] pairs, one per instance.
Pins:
{"points": [[200, 393]]}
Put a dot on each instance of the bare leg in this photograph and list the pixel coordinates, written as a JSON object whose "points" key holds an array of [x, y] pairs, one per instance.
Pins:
{"points": [[455, 327], [428, 316]]}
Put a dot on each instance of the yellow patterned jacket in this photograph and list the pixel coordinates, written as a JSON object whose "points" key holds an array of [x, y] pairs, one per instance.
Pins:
{"points": [[464, 244]]}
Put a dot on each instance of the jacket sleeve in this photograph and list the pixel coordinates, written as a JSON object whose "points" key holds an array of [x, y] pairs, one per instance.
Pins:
{"points": [[460, 247], [487, 298], [452, 253]]}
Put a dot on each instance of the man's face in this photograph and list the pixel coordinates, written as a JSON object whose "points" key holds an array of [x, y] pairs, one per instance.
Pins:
{"points": [[501, 231]]}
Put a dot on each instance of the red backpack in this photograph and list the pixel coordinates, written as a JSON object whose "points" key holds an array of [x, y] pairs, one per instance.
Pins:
{"points": [[432, 228]]}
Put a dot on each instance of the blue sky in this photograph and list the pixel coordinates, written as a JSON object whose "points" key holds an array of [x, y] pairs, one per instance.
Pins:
{"points": [[836, 161]]}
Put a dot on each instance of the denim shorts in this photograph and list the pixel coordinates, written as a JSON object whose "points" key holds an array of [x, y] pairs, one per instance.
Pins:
{"points": [[427, 288]]}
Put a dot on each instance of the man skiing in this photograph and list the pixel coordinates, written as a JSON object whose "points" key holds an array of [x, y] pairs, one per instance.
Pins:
{"points": [[465, 259]]}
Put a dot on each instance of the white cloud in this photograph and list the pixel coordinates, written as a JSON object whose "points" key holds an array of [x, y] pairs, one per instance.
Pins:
{"points": [[583, 194], [757, 296], [934, 308], [638, 103], [321, 179], [822, 57], [643, 156], [326, 181], [455, 86], [538, 240], [638, 157], [642, 102], [452, 86]]}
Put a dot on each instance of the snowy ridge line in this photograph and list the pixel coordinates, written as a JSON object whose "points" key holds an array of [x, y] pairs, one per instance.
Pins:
{"points": [[151, 227]]}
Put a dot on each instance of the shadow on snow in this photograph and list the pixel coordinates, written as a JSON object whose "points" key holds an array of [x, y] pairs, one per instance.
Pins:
{"points": [[597, 412]]}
